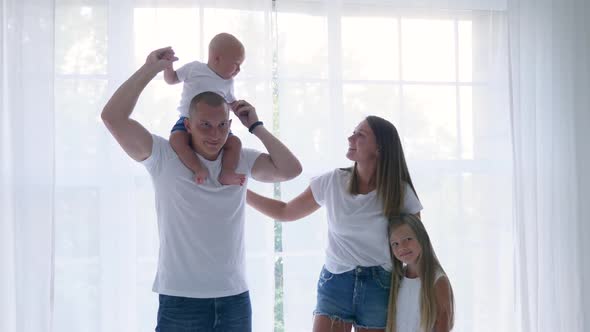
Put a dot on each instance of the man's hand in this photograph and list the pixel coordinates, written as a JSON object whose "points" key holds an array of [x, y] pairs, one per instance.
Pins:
{"points": [[161, 58], [245, 112], [279, 164]]}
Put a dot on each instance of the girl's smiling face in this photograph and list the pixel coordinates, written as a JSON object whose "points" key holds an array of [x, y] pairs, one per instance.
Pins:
{"points": [[404, 245]]}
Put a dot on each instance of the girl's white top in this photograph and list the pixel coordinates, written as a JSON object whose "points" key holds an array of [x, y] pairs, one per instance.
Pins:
{"points": [[408, 304]]}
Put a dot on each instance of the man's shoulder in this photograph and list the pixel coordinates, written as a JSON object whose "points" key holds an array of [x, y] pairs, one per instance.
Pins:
{"points": [[159, 140], [250, 151], [249, 156], [161, 148]]}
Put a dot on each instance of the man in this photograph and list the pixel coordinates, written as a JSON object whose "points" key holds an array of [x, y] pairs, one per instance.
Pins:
{"points": [[201, 272]]}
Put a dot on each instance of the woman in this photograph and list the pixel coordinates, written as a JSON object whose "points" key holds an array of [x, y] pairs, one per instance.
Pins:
{"points": [[353, 288]]}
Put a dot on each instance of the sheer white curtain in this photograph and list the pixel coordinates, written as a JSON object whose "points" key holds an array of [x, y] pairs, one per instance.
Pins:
{"points": [[487, 96], [27, 165], [550, 71]]}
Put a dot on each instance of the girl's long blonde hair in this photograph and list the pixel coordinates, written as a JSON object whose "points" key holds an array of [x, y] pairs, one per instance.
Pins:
{"points": [[428, 267], [392, 170]]}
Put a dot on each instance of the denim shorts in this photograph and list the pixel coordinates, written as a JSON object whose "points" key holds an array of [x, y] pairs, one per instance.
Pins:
{"points": [[359, 296], [185, 314], [179, 125]]}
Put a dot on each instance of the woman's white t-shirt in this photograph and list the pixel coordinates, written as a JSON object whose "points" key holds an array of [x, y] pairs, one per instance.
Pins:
{"points": [[357, 229]]}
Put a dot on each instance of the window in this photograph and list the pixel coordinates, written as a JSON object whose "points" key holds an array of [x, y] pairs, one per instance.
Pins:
{"points": [[313, 72]]}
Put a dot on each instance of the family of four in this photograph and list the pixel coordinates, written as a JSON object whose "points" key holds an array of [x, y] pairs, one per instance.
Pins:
{"points": [[380, 272]]}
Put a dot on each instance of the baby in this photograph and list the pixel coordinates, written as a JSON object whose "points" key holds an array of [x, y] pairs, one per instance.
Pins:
{"points": [[226, 54]]}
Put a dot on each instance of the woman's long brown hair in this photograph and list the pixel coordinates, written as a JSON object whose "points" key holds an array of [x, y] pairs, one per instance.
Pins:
{"points": [[392, 170]]}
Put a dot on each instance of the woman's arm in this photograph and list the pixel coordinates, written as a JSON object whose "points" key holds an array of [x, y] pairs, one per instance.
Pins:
{"points": [[299, 207]]}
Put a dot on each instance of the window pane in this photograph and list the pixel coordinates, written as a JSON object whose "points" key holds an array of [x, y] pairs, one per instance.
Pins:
{"points": [[301, 277], [429, 122], [361, 100], [441, 191], [306, 105], [361, 59], [77, 298], [428, 50], [76, 259], [466, 109], [147, 301], [308, 236], [303, 46], [78, 128], [465, 51], [259, 273], [160, 27], [156, 109], [76, 230], [147, 224], [258, 93]]}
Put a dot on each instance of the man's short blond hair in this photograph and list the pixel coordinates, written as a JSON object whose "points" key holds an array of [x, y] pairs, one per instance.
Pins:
{"points": [[210, 98]]}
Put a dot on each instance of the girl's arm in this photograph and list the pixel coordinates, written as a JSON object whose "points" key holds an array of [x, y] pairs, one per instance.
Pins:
{"points": [[299, 207], [444, 310]]}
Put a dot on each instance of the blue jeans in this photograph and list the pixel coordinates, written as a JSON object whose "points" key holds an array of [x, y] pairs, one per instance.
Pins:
{"points": [[221, 314], [179, 125], [358, 296]]}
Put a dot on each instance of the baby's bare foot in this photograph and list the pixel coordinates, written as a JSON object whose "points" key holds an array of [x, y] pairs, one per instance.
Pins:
{"points": [[229, 178], [201, 176]]}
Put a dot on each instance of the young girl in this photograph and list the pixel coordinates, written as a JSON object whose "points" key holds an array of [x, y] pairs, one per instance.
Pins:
{"points": [[421, 297]]}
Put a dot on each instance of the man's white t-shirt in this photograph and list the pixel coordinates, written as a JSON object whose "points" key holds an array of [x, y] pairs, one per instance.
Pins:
{"points": [[201, 227], [197, 77], [357, 229]]}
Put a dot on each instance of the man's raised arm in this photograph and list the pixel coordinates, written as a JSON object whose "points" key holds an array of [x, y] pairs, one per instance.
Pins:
{"points": [[279, 164], [130, 134]]}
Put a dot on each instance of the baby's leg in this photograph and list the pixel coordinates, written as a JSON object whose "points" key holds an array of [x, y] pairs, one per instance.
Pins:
{"points": [[179, 140], [229, 163]]}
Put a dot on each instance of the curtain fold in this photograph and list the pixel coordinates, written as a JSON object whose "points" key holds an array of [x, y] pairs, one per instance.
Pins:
{"points": [[582, 123], [27, 177], [548, 72]]}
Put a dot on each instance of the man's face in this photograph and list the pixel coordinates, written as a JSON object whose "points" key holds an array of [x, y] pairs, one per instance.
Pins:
{"points": [[209, 127]]}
